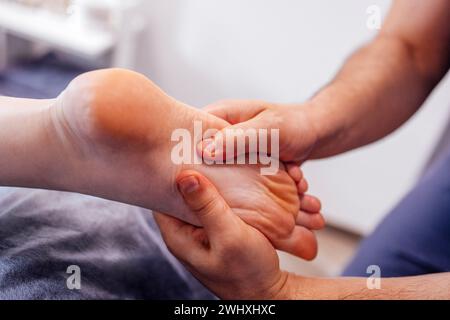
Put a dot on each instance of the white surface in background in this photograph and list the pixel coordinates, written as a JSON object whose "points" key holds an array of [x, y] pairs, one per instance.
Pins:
{"points": [[283, 51], [53, 30], [91, 31]]}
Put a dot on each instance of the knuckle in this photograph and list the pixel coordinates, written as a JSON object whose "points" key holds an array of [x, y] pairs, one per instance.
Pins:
{"points": [[209, 206]]}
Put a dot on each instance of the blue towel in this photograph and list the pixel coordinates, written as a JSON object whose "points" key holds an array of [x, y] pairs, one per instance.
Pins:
{"points": [[117, 248]]}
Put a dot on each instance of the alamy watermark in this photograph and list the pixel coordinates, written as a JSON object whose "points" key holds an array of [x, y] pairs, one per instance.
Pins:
{"points": [[73, 282], [373, 21], [374, 280], [251, 146]]}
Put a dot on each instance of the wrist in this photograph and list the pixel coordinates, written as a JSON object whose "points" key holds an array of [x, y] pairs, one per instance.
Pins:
{"points": [[307, 123], [286, 288], [327, 122]]}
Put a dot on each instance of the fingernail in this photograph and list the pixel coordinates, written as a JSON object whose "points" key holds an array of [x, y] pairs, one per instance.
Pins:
{"points": [[209, 146], [188, 185]]}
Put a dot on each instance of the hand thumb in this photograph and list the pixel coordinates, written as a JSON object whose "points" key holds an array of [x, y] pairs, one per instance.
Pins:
{"points": [[202, 197]]}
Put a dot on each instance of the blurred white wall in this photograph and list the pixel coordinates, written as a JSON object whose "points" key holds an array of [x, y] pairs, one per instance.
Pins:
{"points": [[284, 50]]}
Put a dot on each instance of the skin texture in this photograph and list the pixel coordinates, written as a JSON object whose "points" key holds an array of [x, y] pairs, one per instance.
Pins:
{"points": [[109, 135], [379, 88]]}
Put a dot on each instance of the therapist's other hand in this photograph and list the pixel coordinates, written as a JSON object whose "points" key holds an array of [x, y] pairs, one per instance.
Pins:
{"points": [[297, 130], [231, 258]]}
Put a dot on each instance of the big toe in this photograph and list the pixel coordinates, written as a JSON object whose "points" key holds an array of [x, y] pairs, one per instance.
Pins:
{"points": [[301, 243]]}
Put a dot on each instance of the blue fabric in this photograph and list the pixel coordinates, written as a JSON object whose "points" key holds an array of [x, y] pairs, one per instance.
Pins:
{"points": [[117, 247], [43, 78], [414, 238]]}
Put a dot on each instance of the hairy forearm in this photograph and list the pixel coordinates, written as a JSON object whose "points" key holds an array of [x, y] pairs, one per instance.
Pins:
{"points": [[29, 154], [433, 286], [377, 90]]}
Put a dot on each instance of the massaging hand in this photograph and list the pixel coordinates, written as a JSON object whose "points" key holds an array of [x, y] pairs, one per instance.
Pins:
{"points": [[230, 257], [297, 131]]}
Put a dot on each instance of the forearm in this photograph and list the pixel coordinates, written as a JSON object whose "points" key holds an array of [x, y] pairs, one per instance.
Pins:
{"points": [[378, 89], [384, 83], [434, 286], [30, 156]]}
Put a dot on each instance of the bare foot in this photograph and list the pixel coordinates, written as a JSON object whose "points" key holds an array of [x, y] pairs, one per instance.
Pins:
{"points": [[116, 127]]}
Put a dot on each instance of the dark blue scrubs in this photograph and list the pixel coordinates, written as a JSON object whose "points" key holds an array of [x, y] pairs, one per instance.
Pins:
{"points": [[414, 238]]}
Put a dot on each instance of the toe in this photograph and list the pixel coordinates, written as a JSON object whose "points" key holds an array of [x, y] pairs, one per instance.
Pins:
{"points": [[302, 186], [294, 171], [310, 204], [301, 243], [310, 221]]}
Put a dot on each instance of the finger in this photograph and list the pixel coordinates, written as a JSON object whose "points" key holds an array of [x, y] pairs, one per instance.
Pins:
{"points": [[176, 241], [294, 172], [310, 204], [167, 222], [202, 197], [301, 243], [302, 186], [235, 111], [237, 140], [314, 221]]}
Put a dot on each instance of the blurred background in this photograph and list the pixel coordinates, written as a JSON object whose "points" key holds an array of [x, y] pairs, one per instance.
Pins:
{"points": [[202, 51]]}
